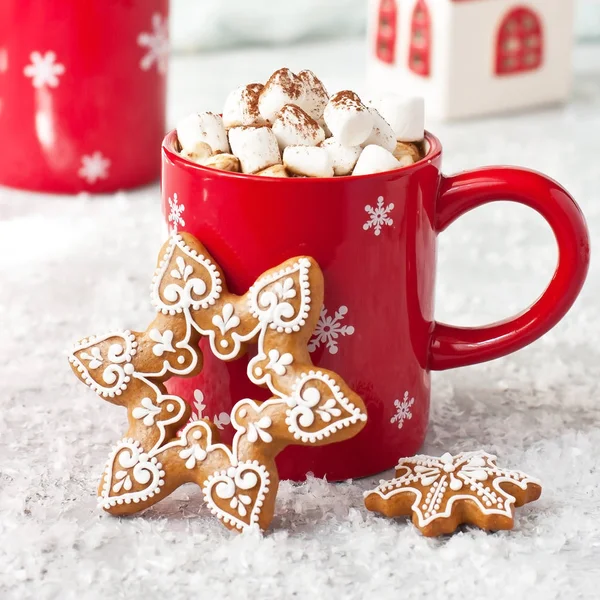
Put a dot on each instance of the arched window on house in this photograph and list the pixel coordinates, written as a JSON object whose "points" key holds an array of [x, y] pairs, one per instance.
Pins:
{"points": [[385, 40], [419, 55], [520, 43]]}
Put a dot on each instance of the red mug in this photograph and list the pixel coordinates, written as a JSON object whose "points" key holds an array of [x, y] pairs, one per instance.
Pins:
{"points": [[374, 237], [82, 93]]}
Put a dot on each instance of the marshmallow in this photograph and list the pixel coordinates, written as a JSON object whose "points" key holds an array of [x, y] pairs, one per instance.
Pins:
{"points": [[406, 149], [283, 87], [324, 127], [203, 127], [375, 159], [200, 152], [406, 115], [348, 119], [241, 106], [343, 158], [256, 147], [381, 134], [293, 127], [225, 162], [314, 97], [310, 161], [274, 171]]}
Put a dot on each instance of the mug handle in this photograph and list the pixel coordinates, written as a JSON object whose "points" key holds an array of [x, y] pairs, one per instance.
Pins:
{"points": [[451, 346]]}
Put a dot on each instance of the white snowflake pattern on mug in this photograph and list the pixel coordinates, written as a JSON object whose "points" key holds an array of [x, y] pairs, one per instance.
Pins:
{"points": [[44, 70], [329, 329], [93, 167], [199, 403], [175, 211], [221, 420], [403, 412], [378, 216], [157, 43]]}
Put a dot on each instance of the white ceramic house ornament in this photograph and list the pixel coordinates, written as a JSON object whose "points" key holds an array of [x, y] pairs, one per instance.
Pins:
{"points": [[471, 57]]}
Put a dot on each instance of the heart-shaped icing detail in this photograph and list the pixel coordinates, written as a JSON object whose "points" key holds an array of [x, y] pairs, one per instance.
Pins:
{"points": [[318, 407], [184, 279], [104, 362], [130, 475], [282, 299], [236, 494]]}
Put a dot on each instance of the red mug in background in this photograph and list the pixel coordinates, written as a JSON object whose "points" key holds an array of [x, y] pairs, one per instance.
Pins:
{"points": [[82, 93], [374, 237]]}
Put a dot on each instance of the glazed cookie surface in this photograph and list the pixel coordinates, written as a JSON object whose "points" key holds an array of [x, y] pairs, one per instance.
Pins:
{"points": [[442, 493]]}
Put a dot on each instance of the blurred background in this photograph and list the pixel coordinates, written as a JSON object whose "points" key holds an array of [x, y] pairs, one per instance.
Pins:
{"points": [[219, 30], [213, 24]]}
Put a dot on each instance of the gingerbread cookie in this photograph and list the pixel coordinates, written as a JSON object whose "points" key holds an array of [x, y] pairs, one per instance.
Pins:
{"points": [[163, 447], [441, 493]]}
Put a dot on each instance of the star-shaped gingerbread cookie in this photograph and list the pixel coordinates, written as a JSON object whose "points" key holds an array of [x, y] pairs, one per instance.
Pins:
{"points": [[442, 493]]}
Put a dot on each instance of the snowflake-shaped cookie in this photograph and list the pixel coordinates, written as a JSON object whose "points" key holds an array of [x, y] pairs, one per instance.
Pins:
{"points": [[165, 446], [442, 493]]}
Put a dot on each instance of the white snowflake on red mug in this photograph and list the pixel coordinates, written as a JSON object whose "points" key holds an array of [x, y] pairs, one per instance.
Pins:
{"points": [[44, 70], [157, 43], [329, 329], [175, 211], [94, 167], [403, 410], [378, 216]]}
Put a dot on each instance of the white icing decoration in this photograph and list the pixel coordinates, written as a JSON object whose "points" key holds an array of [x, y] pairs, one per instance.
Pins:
{"points": [[196, 427], [276, 363], [474, 474], [230, 484], [192, 292], [183, 270], [94, 358], [135, 467], [306, 401], [116, 374], [176, 410], [194, 453], [226, 320], [257, 430], [167, 342], [268, 297], [237, 339], [146, 412], [164, 341]]}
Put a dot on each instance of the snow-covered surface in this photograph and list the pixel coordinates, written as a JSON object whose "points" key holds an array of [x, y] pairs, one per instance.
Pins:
{"points": [[76, 266]]}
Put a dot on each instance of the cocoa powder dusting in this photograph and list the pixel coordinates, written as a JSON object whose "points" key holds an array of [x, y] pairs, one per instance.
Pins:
{"points": [[313, 83], [288, 82], [346, 99], [295, 117], [250, 96]]}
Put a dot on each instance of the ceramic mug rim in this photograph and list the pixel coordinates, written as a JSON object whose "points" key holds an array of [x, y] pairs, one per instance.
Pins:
{"points": [[169, 149]]}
